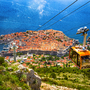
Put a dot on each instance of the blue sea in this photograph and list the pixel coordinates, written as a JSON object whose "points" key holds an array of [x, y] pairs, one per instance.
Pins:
{"points": [[1, 47], [23, 15]]}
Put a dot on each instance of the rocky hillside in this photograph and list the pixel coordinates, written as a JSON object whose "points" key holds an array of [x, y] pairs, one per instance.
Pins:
{"points": [[17, 77], [14, 76]]}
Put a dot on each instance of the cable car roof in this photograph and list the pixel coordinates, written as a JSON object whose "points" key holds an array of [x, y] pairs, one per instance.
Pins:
{"points": [[81, 52]]}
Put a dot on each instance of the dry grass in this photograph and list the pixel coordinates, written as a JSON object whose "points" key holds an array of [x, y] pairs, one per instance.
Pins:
{"points": [[45, 86]]}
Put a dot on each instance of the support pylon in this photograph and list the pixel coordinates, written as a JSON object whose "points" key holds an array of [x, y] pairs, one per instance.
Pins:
{"points": [[84, 40], [14, 52]]}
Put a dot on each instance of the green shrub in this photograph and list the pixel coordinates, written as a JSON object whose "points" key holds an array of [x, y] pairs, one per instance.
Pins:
{"points": [[33, 67], [62, 57], [86, 72], [8, 88], [19, 60], [59, 40], [2, 88], [88, 48], [6, 78], [76, 80], [27, 63], [25, 87], [28, 57], [5, 64], [1, 60], [1, 82], [43, 58], [34, 55], [71, 77], [12, 81], [1, 69], [23, 78], [56, 58], [27, 31], [7, 68], [65, 77], [19, 53], [53, 75]]}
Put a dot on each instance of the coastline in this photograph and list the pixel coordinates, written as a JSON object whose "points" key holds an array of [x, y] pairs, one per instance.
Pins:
{"points": [[1, 46]]}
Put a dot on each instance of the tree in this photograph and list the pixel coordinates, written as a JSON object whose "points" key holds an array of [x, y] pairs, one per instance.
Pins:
{"points": [[64, 65], [34, 55], [1, 37], [59, 40], [45, 64], [43, 58], [62, 57], [50, 57], [15, 34], [88, 48], [56, 58], [1, 60], [53, 75], [27, 31]]}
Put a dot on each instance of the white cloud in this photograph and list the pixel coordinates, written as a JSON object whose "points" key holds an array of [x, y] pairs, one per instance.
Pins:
{"points": [[28, 17], [41, 12], [29, 6], [12, 3], [40, 25], [18, 15], [38, 5]]}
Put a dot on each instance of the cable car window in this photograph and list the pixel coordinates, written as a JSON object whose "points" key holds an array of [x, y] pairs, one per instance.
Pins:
{"points": [[78, 63], [85, 61], [75, 57]]}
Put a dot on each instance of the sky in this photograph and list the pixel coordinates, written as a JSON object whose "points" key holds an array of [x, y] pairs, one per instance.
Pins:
{"points": [[23, 15]]}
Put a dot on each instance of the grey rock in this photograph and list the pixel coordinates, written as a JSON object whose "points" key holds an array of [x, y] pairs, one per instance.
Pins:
{"points": [[21, 67], [33, 80], [4, 70], [10, 69], [30, 72], [19, 73], [19, 88]]}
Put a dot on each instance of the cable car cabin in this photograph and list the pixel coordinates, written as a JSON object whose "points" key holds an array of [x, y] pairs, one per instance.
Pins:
{"points": [[80, 57]]}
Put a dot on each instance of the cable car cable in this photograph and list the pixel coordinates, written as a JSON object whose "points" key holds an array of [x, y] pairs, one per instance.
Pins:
{"points": [[67, 15], [76, 27], [57, 14]]}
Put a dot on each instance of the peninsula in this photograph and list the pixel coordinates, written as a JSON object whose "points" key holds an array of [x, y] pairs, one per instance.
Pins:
{"points": [[51, 40]]}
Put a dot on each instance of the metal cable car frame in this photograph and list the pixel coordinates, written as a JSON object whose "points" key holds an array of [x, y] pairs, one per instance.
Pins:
{"points": [[79, 55], [79, 52]]}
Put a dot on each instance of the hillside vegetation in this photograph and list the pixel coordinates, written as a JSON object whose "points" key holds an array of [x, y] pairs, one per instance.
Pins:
{"points": [[69, 77], [10, 81]]}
